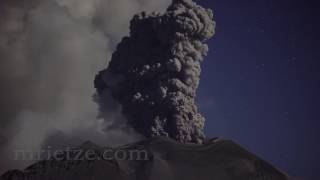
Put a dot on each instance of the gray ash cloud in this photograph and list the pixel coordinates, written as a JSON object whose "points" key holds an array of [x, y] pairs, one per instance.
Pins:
{"points": [[155, 71]]}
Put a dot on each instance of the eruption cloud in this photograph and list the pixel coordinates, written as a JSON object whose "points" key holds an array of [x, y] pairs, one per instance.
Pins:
{"points": [[155, 71]]}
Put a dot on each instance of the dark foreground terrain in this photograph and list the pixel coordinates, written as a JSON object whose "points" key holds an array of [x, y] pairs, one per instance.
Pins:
{"points": [[167, 160]]}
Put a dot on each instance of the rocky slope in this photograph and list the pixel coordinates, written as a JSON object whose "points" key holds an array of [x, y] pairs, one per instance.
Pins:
{"points": [[167, 160]]}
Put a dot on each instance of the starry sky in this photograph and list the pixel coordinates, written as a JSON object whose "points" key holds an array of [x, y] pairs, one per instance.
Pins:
{"points": [[261, 81]]}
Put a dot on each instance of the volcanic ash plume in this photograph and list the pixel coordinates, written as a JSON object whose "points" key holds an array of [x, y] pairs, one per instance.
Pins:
{"points": [[154, 73]]}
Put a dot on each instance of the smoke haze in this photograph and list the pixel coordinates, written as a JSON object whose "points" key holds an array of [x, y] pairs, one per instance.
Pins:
{"points": [[50, 51]]}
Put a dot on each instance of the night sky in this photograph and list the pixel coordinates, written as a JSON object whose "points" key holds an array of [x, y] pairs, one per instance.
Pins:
{"points": [[261, 81]]}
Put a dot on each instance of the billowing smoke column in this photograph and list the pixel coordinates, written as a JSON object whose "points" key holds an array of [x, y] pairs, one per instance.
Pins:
{"points": [[154, 73]]}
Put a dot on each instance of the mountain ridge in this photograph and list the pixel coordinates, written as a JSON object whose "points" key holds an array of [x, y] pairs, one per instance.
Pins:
{"points": [[167, 160]]}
